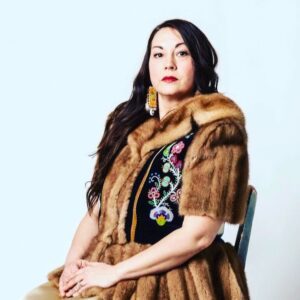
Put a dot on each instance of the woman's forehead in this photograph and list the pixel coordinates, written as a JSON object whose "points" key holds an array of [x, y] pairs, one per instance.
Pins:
{"points": [[166, 36]]}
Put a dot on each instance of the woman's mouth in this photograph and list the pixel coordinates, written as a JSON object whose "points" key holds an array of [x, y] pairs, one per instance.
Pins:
{"points": [[169, 79]]}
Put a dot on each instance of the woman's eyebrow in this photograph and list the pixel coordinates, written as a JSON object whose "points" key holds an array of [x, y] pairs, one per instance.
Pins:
{"points": [[163, 48]]}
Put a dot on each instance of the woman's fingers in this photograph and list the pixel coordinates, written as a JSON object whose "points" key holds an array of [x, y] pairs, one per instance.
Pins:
{"points": [[70, 271], [61, 291], [62, 279], [80, 286], [71, 276], [78, 276]]}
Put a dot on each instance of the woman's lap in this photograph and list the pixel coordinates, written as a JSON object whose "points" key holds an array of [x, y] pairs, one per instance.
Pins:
{"points": [[47, 291]]}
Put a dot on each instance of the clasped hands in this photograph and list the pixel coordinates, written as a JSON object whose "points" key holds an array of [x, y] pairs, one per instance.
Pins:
{"points": [[81, 274]]}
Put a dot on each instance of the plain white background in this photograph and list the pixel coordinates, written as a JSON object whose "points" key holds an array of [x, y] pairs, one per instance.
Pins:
{"points": [[64, 65]]}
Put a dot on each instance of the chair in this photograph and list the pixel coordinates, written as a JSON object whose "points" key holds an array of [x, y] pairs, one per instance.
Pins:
{"points": [[244, 231]]}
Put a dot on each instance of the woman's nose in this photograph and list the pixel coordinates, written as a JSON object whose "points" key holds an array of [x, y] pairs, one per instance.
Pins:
{"points": [[171, 67], [170, 63]]}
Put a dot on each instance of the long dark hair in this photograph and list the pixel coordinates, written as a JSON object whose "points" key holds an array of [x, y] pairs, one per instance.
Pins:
{"points": [[131, 113]]}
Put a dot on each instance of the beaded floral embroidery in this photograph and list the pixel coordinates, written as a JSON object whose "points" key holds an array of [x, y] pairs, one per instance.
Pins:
{"points": [[166, 183]]}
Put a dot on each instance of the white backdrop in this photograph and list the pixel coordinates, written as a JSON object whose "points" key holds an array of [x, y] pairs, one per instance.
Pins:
{"points": [[64, 65]]}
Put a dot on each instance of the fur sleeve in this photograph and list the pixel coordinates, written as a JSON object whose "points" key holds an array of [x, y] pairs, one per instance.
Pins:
{"points": [[215, 173]]}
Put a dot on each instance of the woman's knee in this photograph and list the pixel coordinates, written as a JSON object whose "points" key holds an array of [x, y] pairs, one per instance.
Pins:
{"points": [[45, 291]]}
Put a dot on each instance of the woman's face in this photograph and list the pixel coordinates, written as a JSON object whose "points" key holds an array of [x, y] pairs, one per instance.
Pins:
{"points": [[170, 57]]}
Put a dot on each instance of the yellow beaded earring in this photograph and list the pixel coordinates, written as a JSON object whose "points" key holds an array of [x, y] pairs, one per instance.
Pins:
{"points": [[151, 102]]}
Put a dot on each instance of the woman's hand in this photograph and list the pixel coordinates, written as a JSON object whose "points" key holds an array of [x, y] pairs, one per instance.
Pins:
{"points": [[91, 274], [68, 272]]}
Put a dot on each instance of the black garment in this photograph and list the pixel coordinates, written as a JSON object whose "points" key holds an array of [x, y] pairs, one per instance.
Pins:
{"points": [[157, 191]]}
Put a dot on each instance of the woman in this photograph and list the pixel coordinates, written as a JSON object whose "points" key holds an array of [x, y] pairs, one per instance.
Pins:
{"points": [[168, 176]]}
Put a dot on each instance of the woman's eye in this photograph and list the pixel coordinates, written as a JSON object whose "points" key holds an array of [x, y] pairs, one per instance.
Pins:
{"points": [[185, 52]]}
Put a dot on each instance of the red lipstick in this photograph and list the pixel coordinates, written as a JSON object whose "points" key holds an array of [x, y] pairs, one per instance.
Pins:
{"points": [[169, 79]]}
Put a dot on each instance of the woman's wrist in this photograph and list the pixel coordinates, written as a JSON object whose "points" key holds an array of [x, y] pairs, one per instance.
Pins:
{"points": [[74, 254], [120, 271], [71, 259]]}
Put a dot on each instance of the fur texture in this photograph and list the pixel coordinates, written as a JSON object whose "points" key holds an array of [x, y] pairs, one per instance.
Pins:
{"points": [[214, 182]]}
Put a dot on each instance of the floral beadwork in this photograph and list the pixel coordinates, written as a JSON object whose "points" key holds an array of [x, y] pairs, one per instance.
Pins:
{"points": [[175, 195], [153, 193], [177, 148], [161, 215], [166, 183]]}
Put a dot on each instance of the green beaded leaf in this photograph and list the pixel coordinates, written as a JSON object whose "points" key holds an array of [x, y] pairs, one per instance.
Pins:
{"points": [[166, 152]]}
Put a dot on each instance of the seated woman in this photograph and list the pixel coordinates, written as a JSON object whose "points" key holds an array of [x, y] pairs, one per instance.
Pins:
{"points": [[171, 169]]}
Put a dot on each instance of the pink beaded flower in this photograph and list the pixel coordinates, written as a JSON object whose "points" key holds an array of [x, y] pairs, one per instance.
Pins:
{"points": [[175, 196], [174, 159], [178, 165], [178, 147], [153, 193]]}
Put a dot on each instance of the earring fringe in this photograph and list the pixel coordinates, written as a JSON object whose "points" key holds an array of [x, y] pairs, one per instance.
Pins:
{"points": [[151, 101]]}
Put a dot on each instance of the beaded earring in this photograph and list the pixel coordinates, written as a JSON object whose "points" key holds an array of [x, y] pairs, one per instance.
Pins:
{"points": [[151, 101]]}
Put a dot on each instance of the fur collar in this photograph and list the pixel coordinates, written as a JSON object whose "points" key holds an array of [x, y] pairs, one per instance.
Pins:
{"points": [[200, 109]]}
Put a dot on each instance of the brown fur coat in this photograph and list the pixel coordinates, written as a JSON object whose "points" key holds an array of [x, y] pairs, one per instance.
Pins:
{"points": [[214, 183]]}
